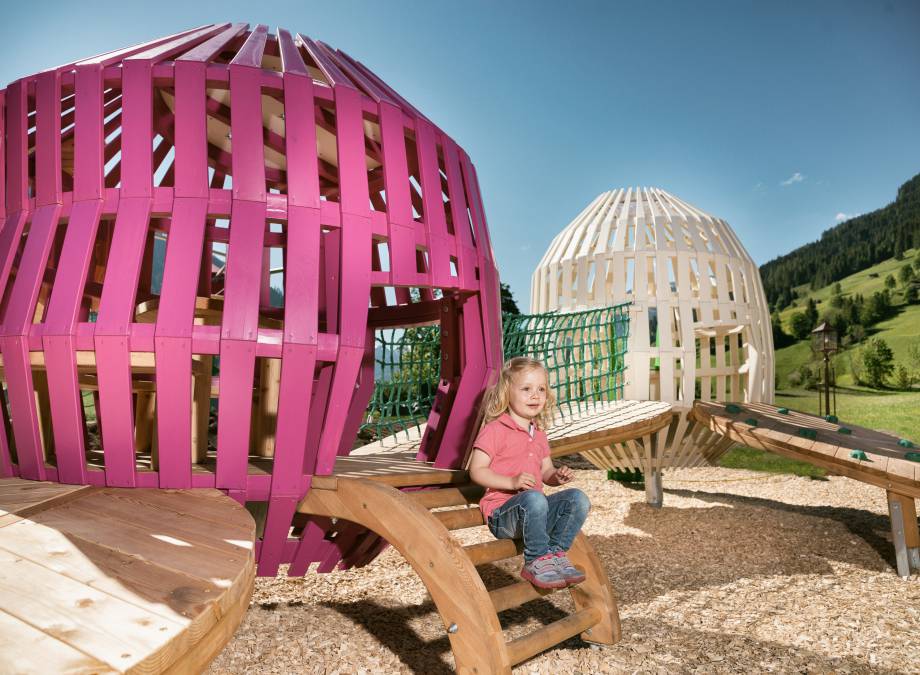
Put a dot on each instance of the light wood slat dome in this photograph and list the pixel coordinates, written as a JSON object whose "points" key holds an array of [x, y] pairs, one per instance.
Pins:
{"points": [[700, 326]]}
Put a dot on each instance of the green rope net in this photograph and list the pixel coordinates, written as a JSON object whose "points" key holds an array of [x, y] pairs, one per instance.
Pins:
{"points": [[584, 353]]}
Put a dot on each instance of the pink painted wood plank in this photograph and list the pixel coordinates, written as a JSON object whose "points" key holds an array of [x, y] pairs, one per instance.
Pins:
{"points": [[361, 396], [119, 290], [433, 202], [250, 54], [466, 247], [207, 50], [88, 134], [17, 172], [23, 413], [191, 155], [173, 343], [344, 379], [177, 45], [400, 225], [59, 342], [246, 130], [66, 408], [21, 307], [326, 63], [406, 106], [350, 68], [110, 58], [137, 129], [10, 236], [234, 411], [244, 270], [3, 211], [48, 139]]}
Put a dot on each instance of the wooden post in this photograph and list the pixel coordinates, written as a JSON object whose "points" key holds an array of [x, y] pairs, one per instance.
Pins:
{"points": [[904, 532]]}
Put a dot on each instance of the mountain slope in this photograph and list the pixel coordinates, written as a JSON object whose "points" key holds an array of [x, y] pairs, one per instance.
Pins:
{"points": [[849, 247]]}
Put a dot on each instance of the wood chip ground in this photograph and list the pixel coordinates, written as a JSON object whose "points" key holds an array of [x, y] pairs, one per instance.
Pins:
{"points": [[739, 572]]}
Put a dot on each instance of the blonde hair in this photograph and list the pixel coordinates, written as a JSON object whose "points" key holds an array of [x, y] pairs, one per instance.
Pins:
{"points": [[497, 399]]}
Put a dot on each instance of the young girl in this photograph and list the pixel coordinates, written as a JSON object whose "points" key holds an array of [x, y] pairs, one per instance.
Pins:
{"points": [[511, 459]]}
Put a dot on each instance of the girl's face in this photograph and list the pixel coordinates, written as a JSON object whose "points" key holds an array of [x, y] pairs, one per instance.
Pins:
{"points": [[528, 394]]}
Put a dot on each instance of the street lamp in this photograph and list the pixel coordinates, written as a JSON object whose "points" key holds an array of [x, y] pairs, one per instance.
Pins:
{"points": [[824, 340]]}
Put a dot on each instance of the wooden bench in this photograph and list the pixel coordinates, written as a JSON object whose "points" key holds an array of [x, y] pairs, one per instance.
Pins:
{"points": [[384, 488], [97, 580], [862, 454]]}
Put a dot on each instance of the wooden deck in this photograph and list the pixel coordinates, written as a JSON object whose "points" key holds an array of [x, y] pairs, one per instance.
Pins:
{"points": [[102, 580], [843, 449], [598, 424]]}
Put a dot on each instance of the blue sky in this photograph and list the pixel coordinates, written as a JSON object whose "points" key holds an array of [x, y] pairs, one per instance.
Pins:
{"points": [[776, 116]]}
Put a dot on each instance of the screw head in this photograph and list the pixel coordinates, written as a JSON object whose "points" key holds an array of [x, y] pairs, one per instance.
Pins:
{"points": [[453, 628]]}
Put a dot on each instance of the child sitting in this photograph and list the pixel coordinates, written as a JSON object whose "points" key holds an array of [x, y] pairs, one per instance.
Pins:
{"points": [[511, 459]]}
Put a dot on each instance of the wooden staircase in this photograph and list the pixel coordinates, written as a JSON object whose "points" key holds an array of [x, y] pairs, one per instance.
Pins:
{"points": [[409, 521]]}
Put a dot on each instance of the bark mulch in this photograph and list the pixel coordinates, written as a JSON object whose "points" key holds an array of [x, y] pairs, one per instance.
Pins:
{"points": [[739, 572]]}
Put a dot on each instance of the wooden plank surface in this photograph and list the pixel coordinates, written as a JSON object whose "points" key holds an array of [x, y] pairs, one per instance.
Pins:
{"points": [[139, 580], [391, 460], [863, 454]]}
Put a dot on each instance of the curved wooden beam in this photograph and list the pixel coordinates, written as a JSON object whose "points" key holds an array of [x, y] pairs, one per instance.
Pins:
{"points": [[447, 572]]}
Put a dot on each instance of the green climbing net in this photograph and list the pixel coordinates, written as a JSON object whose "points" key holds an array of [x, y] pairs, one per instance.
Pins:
{"points": [[584, 353]]}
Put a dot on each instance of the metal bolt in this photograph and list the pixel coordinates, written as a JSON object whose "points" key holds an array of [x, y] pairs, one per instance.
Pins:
{"points": [[453, 628]]}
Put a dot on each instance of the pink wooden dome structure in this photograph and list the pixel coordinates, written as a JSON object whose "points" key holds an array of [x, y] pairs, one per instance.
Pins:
{"points": [[151, 196]]}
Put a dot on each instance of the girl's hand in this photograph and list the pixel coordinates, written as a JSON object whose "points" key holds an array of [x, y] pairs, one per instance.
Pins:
{"points": [[523, 481], [564, 475]]}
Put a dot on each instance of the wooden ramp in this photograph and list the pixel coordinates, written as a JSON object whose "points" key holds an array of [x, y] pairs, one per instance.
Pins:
{"points": [[97, 580], [843, 449], [403, 500]]}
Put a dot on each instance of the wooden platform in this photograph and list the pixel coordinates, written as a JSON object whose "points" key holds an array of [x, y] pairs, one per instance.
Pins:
{"points": [[102, 580], [596, 425], [843, 449]]}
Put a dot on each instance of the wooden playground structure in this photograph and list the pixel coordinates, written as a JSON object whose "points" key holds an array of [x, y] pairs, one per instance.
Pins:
{"points": [[155, 382], [843, 449]]}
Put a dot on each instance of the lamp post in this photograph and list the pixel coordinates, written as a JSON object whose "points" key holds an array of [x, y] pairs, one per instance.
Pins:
{"points": [[824, 340]]}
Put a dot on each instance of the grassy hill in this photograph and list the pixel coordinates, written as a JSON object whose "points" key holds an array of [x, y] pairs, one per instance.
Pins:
{"points": [[886, 409], [898, 331]]}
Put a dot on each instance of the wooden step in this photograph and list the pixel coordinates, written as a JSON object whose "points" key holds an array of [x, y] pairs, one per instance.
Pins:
{"points": [[524, 647], [448, 496], [458, 519], [515, 595], [491, 551]]}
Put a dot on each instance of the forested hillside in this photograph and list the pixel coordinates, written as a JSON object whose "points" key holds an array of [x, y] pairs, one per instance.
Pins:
{"points": [[852, 246]]}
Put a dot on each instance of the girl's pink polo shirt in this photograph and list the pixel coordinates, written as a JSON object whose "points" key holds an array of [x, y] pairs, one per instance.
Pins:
{"points": [[513, 450]]}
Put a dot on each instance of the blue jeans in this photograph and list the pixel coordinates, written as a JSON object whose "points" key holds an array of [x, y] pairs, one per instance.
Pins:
{"points": [[547, 524]]}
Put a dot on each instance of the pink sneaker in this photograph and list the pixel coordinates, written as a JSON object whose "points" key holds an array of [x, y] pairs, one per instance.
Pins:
{"points": [[543, 572], [567, 570]]}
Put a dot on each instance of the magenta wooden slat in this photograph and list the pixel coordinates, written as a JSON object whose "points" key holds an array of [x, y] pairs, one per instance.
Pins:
{"points": [[113, 57], [234, 411], [10, 236], [88, 134], [3, 211], [48, 139], [17, 172], [58, 340], [246, 130], [25, 423], [350, 68], [327, 65], [137, 130], [178, 45], [360, 397], [21, 307], [113, 362], [400, 225], [250, 54], [433, 203], [466, 248], [209, 49], [173, 341], [191, 158]]}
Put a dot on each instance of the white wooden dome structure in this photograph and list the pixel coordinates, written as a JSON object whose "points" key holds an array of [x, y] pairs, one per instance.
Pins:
{"points": [[699, 322]]}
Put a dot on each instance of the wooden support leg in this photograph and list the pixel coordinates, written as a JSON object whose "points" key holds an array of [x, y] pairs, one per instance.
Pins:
{"points": [[904, 532], [201, 407], [144, 420], [653, 491], [594, 591]]}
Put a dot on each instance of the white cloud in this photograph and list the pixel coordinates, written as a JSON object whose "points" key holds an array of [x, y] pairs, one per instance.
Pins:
{"points": [[841, 216], [794, 178]]}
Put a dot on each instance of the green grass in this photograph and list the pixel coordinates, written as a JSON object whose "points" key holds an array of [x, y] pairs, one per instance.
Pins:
{"points": [[899, 331], [895, 412], [759, 460]]}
